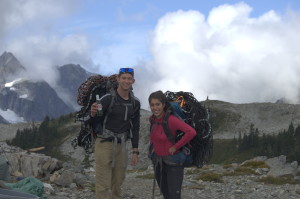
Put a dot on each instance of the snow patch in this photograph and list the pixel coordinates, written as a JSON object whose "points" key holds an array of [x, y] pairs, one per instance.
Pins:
{"points": [[24, 96], [10, 84], [11, 116]]}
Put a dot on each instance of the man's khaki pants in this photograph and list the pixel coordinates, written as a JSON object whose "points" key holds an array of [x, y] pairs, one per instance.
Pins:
{"points": [[109, 179]]}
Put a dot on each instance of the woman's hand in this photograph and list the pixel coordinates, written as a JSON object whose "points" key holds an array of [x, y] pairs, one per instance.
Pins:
{"points": [[172, 150]]}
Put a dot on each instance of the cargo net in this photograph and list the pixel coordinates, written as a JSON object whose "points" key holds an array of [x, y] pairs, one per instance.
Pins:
{"points": [[85, 139], [87, 91], [197, 116], [86, 96]]}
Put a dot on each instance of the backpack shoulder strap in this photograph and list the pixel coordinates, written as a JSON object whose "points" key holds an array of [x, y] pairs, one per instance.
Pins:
{"points": [[165, 125], [112, 101], [132, 99], [152, 122]]}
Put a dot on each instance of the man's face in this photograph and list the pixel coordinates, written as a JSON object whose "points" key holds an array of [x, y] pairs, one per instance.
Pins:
{"points": [[125, 81]]}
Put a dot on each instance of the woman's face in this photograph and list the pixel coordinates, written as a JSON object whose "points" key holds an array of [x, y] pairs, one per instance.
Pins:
{"points": [[157, 107]]}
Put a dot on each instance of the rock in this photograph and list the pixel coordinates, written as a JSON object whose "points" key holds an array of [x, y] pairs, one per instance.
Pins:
{"points": [[33, 164], [49, 190], [279, 167], [81, 179], [65, 179], [54, 176]]}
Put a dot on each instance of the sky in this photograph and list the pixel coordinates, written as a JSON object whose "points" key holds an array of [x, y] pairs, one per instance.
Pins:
{"points": [[234, 51]]}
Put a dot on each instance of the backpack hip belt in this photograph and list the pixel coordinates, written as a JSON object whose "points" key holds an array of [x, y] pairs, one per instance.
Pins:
{"points": [[116, 136]]}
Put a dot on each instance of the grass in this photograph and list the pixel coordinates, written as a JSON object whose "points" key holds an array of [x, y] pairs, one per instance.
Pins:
{"points": [[197, 186], [226, 166], [240, 171], [278, 180], [146, 176], [211, 177], [255, 164]]}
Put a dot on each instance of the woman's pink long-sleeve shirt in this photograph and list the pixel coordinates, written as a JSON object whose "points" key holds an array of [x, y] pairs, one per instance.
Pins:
{"points": [[158, 137]]}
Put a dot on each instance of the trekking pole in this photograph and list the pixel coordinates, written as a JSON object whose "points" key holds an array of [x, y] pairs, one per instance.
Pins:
{"points": [[153, 189]]}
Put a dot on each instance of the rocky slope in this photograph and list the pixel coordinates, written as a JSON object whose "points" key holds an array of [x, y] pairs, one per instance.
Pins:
{"points": [[232, 187], [229, 119], [225, 183], [248, 180]]}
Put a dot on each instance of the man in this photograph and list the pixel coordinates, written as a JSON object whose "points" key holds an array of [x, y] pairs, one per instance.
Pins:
{"points": [[119, 120]]}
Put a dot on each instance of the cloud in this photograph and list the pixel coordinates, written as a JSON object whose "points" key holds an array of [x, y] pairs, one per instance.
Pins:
{"points": [[30, 29], [40, 54], [227, 56], [23, 13]]}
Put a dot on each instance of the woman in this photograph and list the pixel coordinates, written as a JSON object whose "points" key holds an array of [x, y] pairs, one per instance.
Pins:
{"points": [[168, 173]]}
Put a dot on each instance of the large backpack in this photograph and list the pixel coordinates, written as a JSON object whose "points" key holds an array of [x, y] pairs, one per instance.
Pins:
{"points": [[96, 84], [86, 96], [186, 107]]}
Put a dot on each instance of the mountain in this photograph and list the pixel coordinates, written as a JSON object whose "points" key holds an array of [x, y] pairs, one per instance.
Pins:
{"points": [[32, 100], [10, 68], [71, 76], [3, 121], [228, 119]]}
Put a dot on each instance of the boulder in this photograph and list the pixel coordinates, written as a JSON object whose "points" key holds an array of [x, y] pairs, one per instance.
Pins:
{"points": [[279, 167], [33, 164]]}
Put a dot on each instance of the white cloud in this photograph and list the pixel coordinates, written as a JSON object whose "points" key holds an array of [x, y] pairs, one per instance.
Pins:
{"points": [[29, 30], [228, 56], [39, 54], [32, 13]]}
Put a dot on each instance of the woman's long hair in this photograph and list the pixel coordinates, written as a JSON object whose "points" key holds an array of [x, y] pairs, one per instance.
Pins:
{"points": [[161, 97]]}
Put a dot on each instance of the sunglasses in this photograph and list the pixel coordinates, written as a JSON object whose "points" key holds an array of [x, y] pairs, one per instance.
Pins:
{"points": [[126, 70]]}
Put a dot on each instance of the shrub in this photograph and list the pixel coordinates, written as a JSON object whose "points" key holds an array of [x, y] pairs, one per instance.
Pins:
{"points": [[255, 164], [211, 177], [240, 171], [146, 176], [278, 180]]}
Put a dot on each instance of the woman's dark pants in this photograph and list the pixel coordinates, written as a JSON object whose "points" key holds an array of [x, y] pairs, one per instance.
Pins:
{"points": [[169, 179]]}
